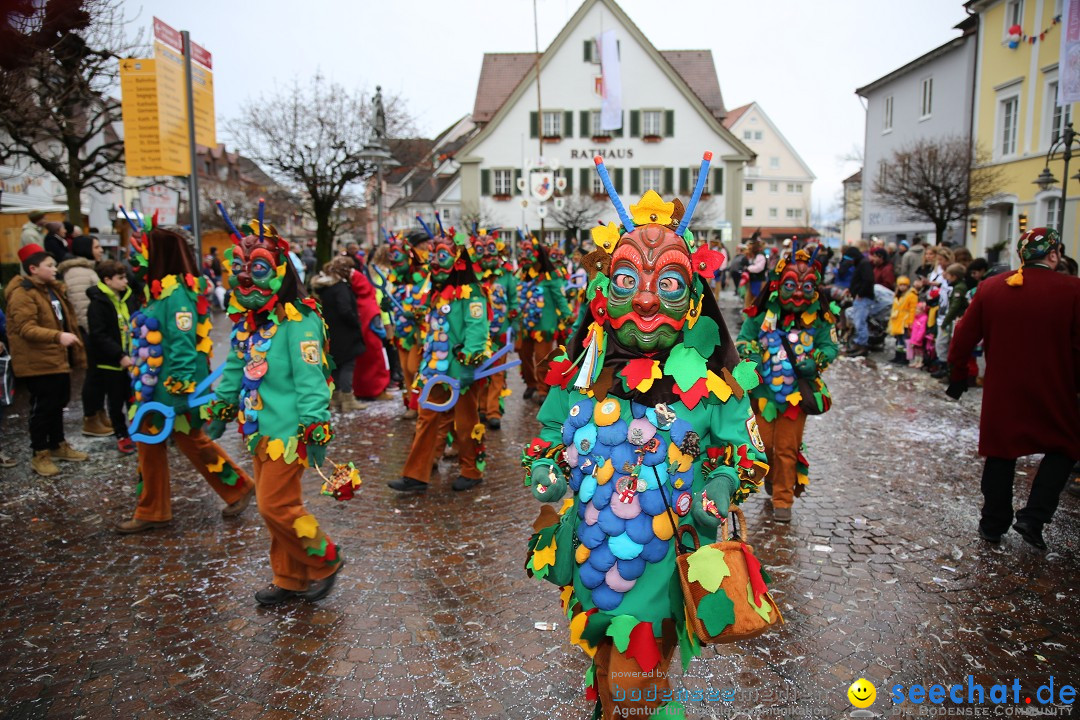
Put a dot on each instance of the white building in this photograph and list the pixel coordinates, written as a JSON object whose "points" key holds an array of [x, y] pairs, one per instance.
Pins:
{"points": [[927, 99], [776, 187], [672, 112]]}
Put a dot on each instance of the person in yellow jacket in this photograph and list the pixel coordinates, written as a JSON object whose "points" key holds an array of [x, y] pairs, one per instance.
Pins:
{"points": [[902, 317]]}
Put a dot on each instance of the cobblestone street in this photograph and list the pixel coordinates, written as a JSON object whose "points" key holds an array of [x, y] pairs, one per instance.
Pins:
{"points": [[880, 575]]}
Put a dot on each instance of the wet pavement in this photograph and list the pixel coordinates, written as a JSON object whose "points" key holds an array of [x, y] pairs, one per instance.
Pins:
{"points": [[880, 575]]}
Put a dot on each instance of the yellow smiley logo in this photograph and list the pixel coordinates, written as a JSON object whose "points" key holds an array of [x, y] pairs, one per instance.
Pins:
{"points": [[862, 693]]}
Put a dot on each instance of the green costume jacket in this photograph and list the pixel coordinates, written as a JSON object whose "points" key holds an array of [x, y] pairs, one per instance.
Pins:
{"points": [[457, 334], [502, 292], [544, 310], [277, 381]]}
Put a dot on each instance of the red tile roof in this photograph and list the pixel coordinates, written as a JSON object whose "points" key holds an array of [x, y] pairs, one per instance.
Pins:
{"points": [[501, 73], [734, 115]]}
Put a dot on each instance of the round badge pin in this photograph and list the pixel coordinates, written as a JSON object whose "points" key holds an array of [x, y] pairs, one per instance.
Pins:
{"points": [[682, 504]]}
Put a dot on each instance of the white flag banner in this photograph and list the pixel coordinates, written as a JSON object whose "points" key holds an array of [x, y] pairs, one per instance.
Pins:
{"points": [[611, 106], [1069, 63]]}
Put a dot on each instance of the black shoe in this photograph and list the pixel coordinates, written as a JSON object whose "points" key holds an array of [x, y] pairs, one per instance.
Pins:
{"points": [[988, 536], [1032, 534], [857, 351], [321, 588], [274, 595], [464, 483], [529, 392], [494, 423], [899, 359], [408, 485]]}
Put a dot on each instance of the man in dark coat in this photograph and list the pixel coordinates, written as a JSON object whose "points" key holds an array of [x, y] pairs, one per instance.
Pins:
{"points": [[865, 304], [1029, 322]]}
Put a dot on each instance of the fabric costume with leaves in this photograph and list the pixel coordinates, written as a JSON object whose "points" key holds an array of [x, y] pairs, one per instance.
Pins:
{"points": [[410, 284], [544, 312], [648, 422], [500, 287], [456, 341], [790, 318], [171, 350], [277, 387]]}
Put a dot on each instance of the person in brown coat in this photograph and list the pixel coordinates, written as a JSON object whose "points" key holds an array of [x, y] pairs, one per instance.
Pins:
{"points": [[45, 346], [1029, 323]]}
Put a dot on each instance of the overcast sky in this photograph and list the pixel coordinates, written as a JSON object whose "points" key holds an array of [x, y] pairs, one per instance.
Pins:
{"points": [[800, 60]]}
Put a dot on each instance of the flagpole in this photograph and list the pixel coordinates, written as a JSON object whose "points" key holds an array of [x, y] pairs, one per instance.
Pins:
{"points": [[539, 108]]}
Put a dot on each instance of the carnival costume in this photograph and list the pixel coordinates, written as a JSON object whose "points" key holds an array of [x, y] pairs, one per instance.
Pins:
{"points": [[171, 351], [276, 385], [500, 288], [790, 335], [410, 285], [456, 341], [544, 313], [648, 422]]}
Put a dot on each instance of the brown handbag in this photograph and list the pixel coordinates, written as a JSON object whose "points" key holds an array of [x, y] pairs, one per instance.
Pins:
{"points": [[739, 585]]}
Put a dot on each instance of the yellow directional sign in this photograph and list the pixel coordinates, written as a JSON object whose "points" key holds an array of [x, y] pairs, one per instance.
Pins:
{"points": [[172, 107], [142, 141], [202, 85]]}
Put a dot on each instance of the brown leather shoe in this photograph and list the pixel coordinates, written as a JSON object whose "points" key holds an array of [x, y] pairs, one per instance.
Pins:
{"points": [[68, 453], [92, 427], [43, 464], [235, 509], [135, 525], [103, 418]]}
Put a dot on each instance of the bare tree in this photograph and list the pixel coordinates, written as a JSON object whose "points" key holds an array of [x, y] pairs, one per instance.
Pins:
{"points": [[58, 64], [936, 181], [478, 214], [310, 137], [579, 212]]}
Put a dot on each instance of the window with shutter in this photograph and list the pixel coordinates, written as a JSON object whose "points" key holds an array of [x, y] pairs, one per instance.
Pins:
{"points": [[553, 124], [694, 172], [485, 182], [651, 121], [635, 182], [650, 179], [503, 182]]}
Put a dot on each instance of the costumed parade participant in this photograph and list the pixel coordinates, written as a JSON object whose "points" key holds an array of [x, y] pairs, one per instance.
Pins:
{"points": [[544, 313], [408, 296], [1029, 323], [171, 350], [455, 343], [276, 385], [500, 287], [371, 374], [648, 422], [789, 334]]}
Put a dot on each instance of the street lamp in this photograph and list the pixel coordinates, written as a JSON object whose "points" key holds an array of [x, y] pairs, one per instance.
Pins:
{"points": [[378, 154], [1046, 178]]}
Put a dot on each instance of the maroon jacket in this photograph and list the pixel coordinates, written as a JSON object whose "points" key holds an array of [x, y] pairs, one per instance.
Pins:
{"points": [[1031, 335]]}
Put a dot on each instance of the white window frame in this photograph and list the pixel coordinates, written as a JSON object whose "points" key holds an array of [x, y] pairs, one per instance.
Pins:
{"points": [[798, 187], [1057, 117], [758, 135], [648, 173], [774, 162], [774, 213], [1051, 206], [790, 213], [926, 98], [594, 125], [1002, 148], [597, 185], [886, 115], [693, 180], [798, 213], [774, 187], [747, 134], [645, 123], [556, 128], [508, 175], [1014, 15], [791, 187]]}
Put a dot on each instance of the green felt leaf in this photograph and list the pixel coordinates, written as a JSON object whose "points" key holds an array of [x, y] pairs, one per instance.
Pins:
{"points": [[320, 551], [716, 611], [590, 675], [708, 568], [544, 537], [703, 337], [620, 629], [139, 489], [766, 577], [764, 609], [599, 283], [685, 365], [542, 572], [745, 373], [595, 628]]}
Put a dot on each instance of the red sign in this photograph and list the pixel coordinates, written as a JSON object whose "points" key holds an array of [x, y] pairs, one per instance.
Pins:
{"points": [[201, 55], [168, 35]]}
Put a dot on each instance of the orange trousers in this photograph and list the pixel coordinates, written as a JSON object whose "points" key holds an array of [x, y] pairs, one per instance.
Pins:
{"points": [[432, 426], [532, 353], [155, 500], [410, 365], [625, 690], [277, 490], [493, 393], [782, 438]]}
